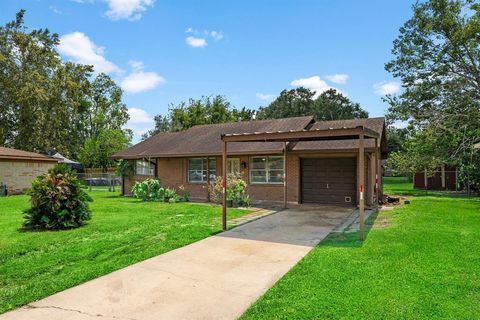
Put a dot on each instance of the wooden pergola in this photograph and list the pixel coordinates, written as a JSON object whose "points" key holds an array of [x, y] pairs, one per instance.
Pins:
{"points": [[359, 133]]}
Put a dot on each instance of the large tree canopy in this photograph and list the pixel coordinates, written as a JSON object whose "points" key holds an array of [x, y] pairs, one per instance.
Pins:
{"points": [[437, 58], [207, 110], [46, 103], [329, 105]]}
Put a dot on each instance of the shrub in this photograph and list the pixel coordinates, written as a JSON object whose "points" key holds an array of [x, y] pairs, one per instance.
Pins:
{"points": [[148, 190], [185, 194], [170, 195], [151, 190], [57, 201], [236, 190]]}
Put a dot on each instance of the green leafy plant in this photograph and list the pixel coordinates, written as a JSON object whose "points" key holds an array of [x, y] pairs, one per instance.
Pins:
{"points": [[185, 194], [57, 201], [124, 168], [148, 190], [151, 190], [236, 190], [170, 195]]}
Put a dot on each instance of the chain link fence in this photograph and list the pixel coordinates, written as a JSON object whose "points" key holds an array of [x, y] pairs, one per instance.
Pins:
{"points": [[101, 181]]}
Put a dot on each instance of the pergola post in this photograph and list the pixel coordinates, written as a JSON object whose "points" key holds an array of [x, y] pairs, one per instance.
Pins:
{"points": [[361, 174], [285, 175], [208, 179], [377, 174], [224, 186]]}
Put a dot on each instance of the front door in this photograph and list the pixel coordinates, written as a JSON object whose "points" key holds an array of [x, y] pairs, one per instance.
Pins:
{"points": [[233, 165]]}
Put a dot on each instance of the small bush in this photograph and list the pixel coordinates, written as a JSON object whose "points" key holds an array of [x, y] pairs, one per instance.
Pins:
{"points": [[236, 190], [57, 200], [148, 190], [151, 190]]}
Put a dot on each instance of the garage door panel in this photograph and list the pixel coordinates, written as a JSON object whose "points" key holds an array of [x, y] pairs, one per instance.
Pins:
{"points": [[328, 180]]}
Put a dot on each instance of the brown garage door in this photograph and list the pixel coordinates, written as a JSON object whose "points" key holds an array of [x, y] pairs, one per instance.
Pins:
{"points": [[328, 180]]}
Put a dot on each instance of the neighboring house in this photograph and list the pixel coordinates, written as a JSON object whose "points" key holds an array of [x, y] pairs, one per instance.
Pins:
{"points": [[322, 172], [19, 168], [444, 178]]}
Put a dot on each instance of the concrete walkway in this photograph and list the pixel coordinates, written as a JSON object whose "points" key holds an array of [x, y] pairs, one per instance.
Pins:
{"points": [[215, 278]]}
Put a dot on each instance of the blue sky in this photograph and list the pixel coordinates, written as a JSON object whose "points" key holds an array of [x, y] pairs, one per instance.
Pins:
{"points": [[164, 52]]}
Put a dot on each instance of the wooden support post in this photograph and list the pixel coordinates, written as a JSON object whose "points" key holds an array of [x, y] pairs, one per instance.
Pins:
{"points": [[208, 179], [377, 174], [224, 186], [371, 180], [361, 171], [443, 176], [285, 175]]}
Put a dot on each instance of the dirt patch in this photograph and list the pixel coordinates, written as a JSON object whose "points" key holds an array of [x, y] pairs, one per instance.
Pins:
{"points": [[380, 222]]}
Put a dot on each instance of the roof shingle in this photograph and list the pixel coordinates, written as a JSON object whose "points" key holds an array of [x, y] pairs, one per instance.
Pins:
{"points": [[206, 139], [9, 153]]}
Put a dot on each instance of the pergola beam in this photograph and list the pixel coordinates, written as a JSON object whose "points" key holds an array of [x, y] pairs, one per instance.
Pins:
{"points": [[361, 133], [303, 135]]}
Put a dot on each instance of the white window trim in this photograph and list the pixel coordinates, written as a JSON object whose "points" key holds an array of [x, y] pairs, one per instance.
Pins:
{"points": [[149, 168], [267, 170], [207, 173]]}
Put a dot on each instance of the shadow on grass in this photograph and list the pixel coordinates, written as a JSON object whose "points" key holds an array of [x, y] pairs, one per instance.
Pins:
{"points": [[350, 239]]}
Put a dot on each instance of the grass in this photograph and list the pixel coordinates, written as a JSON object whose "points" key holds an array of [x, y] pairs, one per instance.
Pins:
{"points": [[422, 263], [122, 231]]}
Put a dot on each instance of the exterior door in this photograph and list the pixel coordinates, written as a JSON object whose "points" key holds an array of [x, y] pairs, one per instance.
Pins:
{"points": [[328, 180], [233, 165]]}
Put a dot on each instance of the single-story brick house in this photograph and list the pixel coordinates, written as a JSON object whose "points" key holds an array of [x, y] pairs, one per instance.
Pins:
{"points": [[323, 172], [19, 168]]}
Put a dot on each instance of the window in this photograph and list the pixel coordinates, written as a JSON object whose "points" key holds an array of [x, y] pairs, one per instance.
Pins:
{"points": [[233, 165], [197, 169], [266, 170], [144, 168]]}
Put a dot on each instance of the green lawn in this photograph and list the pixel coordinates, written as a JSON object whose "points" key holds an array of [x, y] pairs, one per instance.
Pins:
{"points": [[419, 261], [122, 231]]}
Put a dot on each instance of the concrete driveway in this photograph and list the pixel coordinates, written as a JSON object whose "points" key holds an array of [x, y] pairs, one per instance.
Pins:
{"points": [[215, 278]]}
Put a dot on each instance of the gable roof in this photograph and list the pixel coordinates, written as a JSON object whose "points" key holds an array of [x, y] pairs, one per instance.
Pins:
{"points": [[206, 139], [9, 153], [202, 140]]}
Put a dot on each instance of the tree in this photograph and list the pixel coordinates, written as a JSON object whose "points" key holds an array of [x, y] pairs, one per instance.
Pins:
{"points": [[333, 105], [396, 138], [437, 58], [48, 104], [207, 110], [329, 105], [97, 150], [290, 103]]}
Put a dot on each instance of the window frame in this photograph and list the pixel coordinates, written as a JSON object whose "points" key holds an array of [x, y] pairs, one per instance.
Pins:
{"points": [[267, 170], [207, 172], [149, 168]]}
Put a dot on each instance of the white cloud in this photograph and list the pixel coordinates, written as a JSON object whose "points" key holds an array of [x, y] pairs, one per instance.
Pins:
{"points": [[127, 9], [313, 83], [140, 122], [136, 65], [384, 88], [216, 35], [139, 81], [55, 10], [139, 116], [265, 96], [79, 48], [198, 39], [196, 42], [337, 78]]}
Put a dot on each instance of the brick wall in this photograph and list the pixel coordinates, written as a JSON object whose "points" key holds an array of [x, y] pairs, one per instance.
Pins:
{"points": [[173, 173], [18, 175]]}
